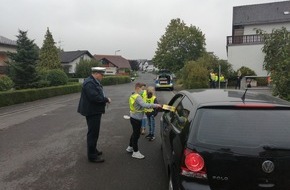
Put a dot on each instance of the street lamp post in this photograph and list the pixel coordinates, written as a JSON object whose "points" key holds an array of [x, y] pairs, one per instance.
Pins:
{"points": [[219, 76], [117, 51]]}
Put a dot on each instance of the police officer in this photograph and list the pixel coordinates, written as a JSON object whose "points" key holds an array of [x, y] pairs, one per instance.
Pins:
{"points": [[92, 105]]}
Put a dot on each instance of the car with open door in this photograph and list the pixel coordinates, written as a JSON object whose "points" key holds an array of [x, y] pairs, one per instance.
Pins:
{"points": [[164, 81]]}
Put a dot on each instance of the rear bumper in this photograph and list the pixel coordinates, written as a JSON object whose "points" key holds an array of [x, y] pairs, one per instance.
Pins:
{"points": [[164, 85], [187, 185]]}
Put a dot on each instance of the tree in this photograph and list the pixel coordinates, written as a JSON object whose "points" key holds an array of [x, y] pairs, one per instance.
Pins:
{"points": [[22, 68], [246, 71], [179, 44], [134, 65], [277, 60], [83, 68], [57, 77], [195, 75], [49, 54]]}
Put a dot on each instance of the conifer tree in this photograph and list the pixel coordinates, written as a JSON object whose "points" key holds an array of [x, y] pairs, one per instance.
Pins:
{"points": [[49, 54], [23, 63]]}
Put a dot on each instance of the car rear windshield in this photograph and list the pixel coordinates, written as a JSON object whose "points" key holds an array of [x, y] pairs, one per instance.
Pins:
{"points": [[243, 127]]}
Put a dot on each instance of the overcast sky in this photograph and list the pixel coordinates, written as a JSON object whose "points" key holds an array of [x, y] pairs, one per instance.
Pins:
{"points": [[132, 26]]}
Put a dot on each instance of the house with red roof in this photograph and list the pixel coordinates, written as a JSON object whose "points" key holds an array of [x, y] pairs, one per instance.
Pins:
{"points": [[115, 64]]}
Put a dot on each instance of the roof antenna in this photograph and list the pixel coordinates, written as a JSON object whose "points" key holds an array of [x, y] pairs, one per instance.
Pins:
{"points": [[244, 96]]}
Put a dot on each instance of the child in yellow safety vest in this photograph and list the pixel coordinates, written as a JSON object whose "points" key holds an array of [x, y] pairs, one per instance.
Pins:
{"points": [[137, 109], [151, 112], [144, 97]]}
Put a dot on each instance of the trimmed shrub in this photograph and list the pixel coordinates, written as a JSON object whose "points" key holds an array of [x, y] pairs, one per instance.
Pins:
{"points": [[5, 83], [19, 96], [195, 75], [57, 77], [113, 80], [83, 68], [73, 80], [27, 95]]}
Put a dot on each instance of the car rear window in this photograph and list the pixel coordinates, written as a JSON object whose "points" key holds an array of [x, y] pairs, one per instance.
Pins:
{"points": [[243, 127]]}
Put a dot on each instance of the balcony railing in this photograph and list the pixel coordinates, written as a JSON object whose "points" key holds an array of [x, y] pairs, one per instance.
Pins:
{"points": [[246, 39]]}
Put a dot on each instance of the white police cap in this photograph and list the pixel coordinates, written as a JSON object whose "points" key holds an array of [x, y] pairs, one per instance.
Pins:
{"points": [[99, 69]]}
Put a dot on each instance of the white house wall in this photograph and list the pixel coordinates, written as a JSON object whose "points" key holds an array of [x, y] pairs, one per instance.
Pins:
{"points": [[7, 49], [250, 30], [72, 68], [250, 56]]}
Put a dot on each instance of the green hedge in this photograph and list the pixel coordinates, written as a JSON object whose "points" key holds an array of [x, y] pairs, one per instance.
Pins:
{"points": [[113, 80], [27, 95], [109, 80]]}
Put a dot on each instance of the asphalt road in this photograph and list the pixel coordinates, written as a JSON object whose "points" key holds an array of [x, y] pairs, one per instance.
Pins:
{"points": [[43, 146]]}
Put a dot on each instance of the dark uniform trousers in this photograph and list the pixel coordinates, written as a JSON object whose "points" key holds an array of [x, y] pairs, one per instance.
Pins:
{"points": [[93, 122]]}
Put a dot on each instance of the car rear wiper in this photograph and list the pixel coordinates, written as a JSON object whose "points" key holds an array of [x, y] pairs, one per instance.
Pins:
{"points": [[275, 148]]}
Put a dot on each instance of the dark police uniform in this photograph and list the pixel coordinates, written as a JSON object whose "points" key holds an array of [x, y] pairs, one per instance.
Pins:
{"points": [[92, 105]]}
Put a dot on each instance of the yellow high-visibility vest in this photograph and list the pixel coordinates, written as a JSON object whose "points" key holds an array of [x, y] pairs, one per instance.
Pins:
{"points": [[144, 95], [212, 76], [132, 101], [150, 101], [216, 78]]}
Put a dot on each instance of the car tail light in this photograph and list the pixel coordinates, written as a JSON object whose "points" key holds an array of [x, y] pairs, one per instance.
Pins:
{"points": [[193, 165]]}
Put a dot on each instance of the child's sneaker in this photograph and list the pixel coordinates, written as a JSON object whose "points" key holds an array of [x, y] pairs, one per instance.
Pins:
{"points": [[138, 155], [129, 149], [152, 138], [148, 136]]}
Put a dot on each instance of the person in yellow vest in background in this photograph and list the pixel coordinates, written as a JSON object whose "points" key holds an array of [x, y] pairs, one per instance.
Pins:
{"points": [[144, 96], [212, 79], [151, 113], [222, 78], [216, 80], [137, 106]]}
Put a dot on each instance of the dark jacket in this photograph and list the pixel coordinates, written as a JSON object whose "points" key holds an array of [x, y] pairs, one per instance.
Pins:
{"points": [[92, 99]]}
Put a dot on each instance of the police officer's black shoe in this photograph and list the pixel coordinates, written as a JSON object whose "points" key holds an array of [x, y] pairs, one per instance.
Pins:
{"points": [[96, 160]]}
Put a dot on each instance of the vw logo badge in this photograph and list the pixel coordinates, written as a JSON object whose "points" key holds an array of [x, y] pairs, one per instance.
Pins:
{"points": [[268, 166]]}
